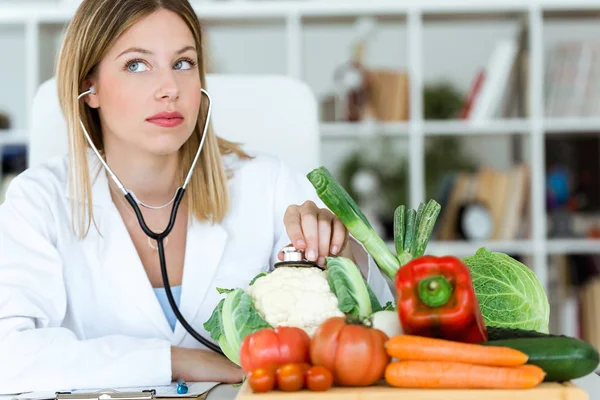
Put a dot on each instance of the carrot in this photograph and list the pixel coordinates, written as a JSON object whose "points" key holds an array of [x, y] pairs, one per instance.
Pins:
{"points": [[420, 348], [454, 375]]}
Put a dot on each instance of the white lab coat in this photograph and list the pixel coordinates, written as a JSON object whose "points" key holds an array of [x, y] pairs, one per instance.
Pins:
{"points": [[82, 313]]}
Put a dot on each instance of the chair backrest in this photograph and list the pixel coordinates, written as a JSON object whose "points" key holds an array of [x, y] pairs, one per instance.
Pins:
{"points": [[268, 113]]}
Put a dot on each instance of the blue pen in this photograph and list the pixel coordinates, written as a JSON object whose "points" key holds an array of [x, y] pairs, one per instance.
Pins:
{"points": [[181, 386]]}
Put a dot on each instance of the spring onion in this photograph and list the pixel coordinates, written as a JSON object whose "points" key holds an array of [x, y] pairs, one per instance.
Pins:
{"points": [[412, 228], [414, 237]]}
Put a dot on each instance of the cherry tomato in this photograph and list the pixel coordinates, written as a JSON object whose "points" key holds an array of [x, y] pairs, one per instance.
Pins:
{"points": [[305, 367], [261, 380], [273, 347], [290, 377], [318, 378]]}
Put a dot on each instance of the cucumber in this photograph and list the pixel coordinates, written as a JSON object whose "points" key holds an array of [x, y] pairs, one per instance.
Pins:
{"points": [[498, 333], [563, 358]]}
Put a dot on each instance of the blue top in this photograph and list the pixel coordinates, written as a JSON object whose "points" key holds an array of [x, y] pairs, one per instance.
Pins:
{"points": [[161, 295]]}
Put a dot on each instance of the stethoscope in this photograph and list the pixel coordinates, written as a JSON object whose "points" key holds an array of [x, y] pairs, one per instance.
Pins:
{"points": [[159, 237]]}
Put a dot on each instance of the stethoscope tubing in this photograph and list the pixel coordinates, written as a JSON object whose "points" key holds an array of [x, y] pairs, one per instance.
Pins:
{"points": [[159, 237]]}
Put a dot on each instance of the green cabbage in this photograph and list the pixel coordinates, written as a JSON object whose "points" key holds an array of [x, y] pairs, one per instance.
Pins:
{"points": [[232, 320], [509, 294]]}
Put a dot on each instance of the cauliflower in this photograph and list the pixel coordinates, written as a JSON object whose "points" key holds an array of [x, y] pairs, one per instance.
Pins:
{"points": [[290, 296], [295, 296]]}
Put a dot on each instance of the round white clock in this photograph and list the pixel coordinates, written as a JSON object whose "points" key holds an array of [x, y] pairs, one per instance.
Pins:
{"points": [[475, 222]]}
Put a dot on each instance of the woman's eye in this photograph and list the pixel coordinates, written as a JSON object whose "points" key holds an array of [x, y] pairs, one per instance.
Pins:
{"points": [[183, 64], [136, 66]]}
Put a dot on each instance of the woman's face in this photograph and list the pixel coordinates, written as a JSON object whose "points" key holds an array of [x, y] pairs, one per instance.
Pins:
{"points": [[148, 87]]}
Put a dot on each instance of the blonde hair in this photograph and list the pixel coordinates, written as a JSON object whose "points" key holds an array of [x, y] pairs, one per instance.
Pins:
{"points": [[96, 25]]}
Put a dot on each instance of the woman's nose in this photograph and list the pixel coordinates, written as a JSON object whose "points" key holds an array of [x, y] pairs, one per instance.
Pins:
{"points": [[169, 88]]}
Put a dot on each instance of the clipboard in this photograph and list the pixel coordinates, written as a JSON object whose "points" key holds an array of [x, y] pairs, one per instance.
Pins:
{"points": [[148, 394], [196, 390]]}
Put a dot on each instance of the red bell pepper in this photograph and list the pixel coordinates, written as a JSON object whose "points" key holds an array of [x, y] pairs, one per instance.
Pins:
{"points": [[436, 299]]}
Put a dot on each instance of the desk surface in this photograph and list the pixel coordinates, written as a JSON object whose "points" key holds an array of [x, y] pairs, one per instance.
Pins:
{"points": [[589, 385]]}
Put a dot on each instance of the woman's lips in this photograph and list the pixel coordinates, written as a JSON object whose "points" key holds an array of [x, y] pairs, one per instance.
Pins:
{"points": [[166, 122], [166, 119]]}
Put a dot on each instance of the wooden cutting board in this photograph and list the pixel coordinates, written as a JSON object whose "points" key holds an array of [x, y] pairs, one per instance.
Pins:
{"points": [[545, 391]]}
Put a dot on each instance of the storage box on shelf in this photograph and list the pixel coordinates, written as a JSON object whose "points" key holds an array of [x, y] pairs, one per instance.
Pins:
{"points": [[301, 22]]}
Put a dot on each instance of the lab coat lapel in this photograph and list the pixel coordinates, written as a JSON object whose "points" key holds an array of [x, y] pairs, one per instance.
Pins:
{"points": [[122, 260], [116, 252], [117, 255], [204, 248]]}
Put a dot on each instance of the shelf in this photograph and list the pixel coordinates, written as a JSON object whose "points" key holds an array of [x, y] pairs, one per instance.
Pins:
{"points": [[276, 9], [430, 128], [238, 10], [521, 247], [343, 130], [562, 125], [11, 137], [459, 127], [466, 127], [464, 249], [573, 246]]}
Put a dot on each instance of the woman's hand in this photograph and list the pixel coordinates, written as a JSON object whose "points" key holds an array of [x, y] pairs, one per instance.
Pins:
{"points": [[199, 365], [316, 231]]}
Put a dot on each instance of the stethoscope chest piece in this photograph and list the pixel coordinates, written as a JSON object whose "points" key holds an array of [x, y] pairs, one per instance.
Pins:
{"points": [[293, 257]]}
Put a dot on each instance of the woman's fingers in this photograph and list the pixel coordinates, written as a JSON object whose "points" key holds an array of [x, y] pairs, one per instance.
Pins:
{"points": [[293, 227], [318, 232], [325, 230], [310, 230], [339, 238]]}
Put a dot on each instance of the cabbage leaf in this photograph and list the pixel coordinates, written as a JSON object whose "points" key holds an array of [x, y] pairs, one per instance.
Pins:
{"points": [[232, 320], [355, 296], [509, 294]]}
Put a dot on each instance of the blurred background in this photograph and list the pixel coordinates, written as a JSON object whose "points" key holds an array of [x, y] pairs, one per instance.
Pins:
{"points": [[491, 107]]}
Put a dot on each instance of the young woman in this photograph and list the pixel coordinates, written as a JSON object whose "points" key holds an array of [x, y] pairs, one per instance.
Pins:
{"points": [[82, 301]]}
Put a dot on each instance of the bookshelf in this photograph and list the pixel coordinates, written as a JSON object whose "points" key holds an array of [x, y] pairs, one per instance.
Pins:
{"points": [[40, 24]]}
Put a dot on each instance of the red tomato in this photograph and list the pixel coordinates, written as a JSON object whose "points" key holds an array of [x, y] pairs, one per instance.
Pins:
{"points": [[355, 354], [261, 380], [306, 367], [274, 347], [318, 378], [290, 377]]}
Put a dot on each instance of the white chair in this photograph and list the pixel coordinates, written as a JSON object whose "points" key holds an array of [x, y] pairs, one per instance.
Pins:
{"points": [[269, 113]]}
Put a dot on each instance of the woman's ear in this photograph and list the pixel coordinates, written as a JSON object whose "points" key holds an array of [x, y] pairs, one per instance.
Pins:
{"points": [[92, 97]]}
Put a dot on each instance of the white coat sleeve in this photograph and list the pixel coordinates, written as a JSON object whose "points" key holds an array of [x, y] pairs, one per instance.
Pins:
{"points": [[291, 188], [37, 353]]}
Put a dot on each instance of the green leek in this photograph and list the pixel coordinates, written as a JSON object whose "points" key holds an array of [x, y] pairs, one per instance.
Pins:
{"points": [[419, 226], [399, 231], [343, 206]]}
